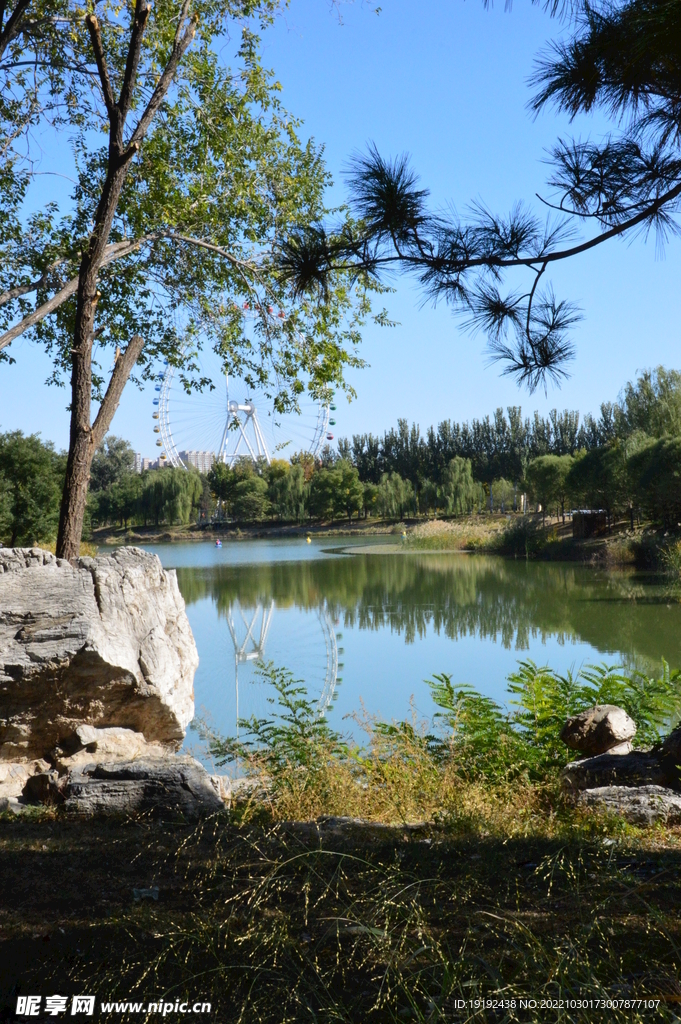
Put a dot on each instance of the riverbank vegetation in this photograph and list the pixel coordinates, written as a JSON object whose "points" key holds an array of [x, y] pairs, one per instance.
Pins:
{"points": [[455, 873]]}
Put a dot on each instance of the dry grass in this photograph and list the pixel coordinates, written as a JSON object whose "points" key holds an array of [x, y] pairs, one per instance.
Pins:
{"points": [[87, 549], [470, 533]]}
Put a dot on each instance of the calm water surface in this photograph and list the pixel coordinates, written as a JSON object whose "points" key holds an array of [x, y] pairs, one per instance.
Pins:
{"points": [[365, 627]]}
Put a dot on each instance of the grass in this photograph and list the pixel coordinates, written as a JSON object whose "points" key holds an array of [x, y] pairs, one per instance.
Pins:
{"points": [[87, 548], [458, 873]]}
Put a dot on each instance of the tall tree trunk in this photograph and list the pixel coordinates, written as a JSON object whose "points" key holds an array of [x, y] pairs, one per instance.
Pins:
{"points": [[85, 439]]}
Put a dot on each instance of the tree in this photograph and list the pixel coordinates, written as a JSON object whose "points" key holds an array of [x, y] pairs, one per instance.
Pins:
{"points": [[599, 479], [369, 498], [119, 502], [286, 490], [458, 492], [655, 471], [351, 496], [549, 481], [222, 481], [113, 460], [621, 56], [395, 496], [324, 493], [651, 405], [31, 476], [175, 220], [250, 498]]}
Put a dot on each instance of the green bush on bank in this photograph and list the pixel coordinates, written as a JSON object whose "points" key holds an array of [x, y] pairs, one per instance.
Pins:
{"points": [[406, 770]]}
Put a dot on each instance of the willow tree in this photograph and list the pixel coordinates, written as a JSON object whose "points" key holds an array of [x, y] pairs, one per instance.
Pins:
{"points": [[622, 57], [168, 243]]}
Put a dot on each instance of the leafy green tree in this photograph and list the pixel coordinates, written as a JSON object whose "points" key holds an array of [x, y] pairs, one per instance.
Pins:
{"points": [[182, 495], [286, 490], [599, 479], [175, 218], [550, 482], [351, 492], [119, 502], [395, 496], [113, 460], [651, 405], [324, 493], [502, 494], [250, 499], [222, 481], [655, 471], [429, 496], [458, 492], [369, 498], [32, 476]]}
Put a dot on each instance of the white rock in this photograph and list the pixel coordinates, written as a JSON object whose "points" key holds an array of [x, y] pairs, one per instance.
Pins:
{"points": [[602, 729], [105, 643]]}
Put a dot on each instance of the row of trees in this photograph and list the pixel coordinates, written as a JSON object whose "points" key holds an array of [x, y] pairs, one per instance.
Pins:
{"points": [[631, 465], [503, 445]]}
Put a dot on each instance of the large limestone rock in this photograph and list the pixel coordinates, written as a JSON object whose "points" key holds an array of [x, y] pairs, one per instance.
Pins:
{"points": [[641, 805], [603, 728], [104, 643]]}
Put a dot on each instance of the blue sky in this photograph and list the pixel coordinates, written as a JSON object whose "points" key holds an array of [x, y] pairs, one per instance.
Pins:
{"points": [[445, 81]]}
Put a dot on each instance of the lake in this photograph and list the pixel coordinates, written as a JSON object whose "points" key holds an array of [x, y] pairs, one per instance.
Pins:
{"points": [[365, 624]]}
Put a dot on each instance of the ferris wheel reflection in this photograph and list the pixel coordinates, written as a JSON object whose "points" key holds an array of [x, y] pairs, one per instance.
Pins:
{"points": [[311, 640]]}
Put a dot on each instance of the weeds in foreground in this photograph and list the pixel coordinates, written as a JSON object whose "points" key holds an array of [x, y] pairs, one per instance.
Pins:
{"points": [[485, 889]]}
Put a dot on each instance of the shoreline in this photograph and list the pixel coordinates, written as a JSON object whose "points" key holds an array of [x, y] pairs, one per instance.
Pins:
{"points": [[502, 535]]}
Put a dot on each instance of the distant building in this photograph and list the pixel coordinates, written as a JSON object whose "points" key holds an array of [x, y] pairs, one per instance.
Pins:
{"points": [[142, 463], [203, 461]]}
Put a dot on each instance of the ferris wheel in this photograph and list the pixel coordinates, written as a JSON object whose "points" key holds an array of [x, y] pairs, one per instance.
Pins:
{"points": [[228, 420]]}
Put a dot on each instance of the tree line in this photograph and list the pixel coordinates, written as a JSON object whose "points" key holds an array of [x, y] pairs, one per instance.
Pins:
{"points": [[624, 462]]}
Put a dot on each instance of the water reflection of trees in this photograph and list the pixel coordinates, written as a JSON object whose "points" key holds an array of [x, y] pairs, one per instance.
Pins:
{"points": [[460, 596]]}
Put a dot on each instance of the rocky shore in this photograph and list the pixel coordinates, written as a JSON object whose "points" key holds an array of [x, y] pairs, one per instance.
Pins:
{"points": [[97, 663]]}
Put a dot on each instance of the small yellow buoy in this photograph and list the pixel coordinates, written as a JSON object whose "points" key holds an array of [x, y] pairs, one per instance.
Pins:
{"points": [[309, 540]]}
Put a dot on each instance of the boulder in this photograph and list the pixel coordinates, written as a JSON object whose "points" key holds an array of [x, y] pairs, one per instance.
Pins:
{"points": [[641, 805], [167, 786], [104, 642], [639, 768], [599, 730]]}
